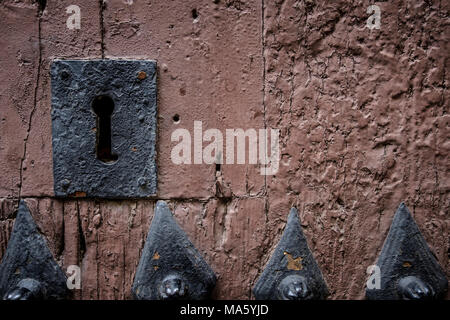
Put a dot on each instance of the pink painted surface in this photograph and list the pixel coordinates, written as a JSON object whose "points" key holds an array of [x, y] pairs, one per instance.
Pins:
{"points": [[363, 119]]}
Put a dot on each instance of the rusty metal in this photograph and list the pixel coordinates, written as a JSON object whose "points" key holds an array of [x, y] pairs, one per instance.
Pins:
{"points": [[408, 268], [142, 75], [28, 270], [292, 272], [170, 267], [104, 128]]}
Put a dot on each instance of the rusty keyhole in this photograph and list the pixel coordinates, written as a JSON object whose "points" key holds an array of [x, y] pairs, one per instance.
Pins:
{"points": [[103, 107]]}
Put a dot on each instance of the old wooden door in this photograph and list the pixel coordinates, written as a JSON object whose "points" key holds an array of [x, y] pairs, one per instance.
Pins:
{"points": [[362, 116]]}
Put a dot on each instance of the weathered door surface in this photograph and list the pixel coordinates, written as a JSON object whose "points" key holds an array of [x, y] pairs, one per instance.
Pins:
{"points": [[352, 98]]}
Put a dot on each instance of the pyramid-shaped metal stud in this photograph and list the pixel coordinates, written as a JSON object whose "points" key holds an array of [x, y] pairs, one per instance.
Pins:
{"points": [[28, 270], [171, 267], [408, 268], [292, 273]]}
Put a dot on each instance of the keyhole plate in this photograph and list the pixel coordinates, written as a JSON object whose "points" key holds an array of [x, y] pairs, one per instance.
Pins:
{"points": [[124, 165]]}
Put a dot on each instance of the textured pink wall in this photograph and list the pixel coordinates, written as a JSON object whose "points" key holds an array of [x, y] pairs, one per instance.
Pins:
{"points": [[363, 119]]}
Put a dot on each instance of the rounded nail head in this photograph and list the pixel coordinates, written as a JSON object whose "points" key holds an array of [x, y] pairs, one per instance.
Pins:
{"points": [[65, 75], [65, 183], [142, 75], [142, 182]]}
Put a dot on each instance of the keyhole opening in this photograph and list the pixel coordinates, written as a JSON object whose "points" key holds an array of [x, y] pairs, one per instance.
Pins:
{"points": [[103, 107]]}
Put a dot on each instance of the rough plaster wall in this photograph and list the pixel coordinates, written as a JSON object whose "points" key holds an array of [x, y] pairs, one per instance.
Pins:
{"points": [[362, 114], [20, 63], [365, 125]]}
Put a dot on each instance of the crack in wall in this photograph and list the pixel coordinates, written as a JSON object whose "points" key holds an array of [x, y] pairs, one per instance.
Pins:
{"points": [[36, 88], [263, 47], [102, 27]]}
